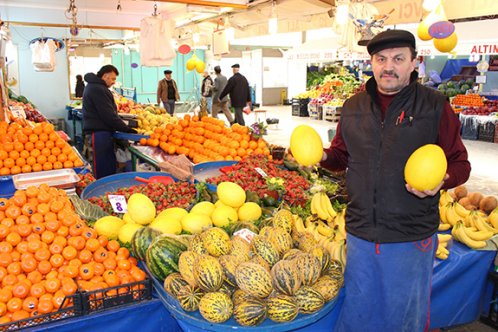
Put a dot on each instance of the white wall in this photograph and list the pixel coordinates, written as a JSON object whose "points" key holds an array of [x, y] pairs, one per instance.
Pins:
{"points": [[296, 71]]}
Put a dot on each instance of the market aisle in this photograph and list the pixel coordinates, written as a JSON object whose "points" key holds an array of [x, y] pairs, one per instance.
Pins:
{"points": [[482, 155]]}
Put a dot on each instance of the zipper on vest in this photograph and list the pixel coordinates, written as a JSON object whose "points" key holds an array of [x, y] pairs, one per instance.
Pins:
{"points": [[377, 172]]}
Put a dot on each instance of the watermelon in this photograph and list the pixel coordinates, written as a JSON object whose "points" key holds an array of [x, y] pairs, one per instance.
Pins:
{"points": [[141, 241], [162, 256]]}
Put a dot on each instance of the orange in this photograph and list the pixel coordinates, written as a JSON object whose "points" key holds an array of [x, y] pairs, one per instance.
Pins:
{"points": [[30, 304], [4, 171], [52, 285], [41, 159], [39, 145], [51, 159], [9, 163], [45, 306], [14, 304], [49, 144]]}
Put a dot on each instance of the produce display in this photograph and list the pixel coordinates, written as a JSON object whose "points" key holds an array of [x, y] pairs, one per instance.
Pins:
{"points": [[206, 139], [453, 88], [178, 194], [472, 217], [488, 108], [25, 148], [47, 252], [468, 100], [32, 113]]}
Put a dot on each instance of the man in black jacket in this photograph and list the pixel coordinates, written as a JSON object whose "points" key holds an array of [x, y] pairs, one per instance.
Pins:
{"points": [[101, 120], [240, 96]]}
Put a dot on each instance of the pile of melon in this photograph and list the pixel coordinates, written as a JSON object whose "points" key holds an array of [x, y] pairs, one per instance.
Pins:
{"points": [[277, 274]]}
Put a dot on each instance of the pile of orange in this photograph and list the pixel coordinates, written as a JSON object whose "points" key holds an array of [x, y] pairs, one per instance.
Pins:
{"points": [[25, 149], [47, 252], [207, 139]]}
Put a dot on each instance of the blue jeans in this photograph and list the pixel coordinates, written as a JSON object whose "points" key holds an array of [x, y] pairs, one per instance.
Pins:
{"points": [[169, 106], [209, 101], [387, 286]]}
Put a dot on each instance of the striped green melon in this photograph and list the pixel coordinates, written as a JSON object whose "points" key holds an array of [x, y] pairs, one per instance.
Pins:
{"points": [[309, 300], [284, 219], [141, 241], [239, 295], [324, 258], [257, 259], [235, 227], [280, 239], [265, 231], [240, 248], [197, 245], [162, 256], [305, 242], [229, 264], [282, 308], [250, 312], [227, 289], [253, 279], [173, 283], [186, 266], [265, 249], [285, 277], [327, 286], [208, 273], [216, 241], [216, 307], [189, 297], [309, 268], [291, 254]]}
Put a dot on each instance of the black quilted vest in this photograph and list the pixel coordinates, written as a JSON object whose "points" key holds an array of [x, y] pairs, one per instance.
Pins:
{"points": [[381, 210]]}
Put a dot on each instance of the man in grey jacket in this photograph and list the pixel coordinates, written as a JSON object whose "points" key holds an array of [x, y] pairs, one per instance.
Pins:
{"points": [[219, 84]]}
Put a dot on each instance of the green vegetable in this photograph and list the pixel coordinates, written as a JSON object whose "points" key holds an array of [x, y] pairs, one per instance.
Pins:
{"points": [[86, 210]]}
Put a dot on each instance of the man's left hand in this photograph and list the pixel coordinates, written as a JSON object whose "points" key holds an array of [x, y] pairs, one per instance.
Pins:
{"points": [[425, 193]]}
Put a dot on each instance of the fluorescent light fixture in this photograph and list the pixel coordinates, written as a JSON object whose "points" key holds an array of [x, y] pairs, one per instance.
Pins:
{"points": [[430, 5], [273, 25], [230, 34], [196, 37], [341, 14]]}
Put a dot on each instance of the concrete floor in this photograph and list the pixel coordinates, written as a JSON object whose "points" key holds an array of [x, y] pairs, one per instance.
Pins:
{"points": [[483, 156]]}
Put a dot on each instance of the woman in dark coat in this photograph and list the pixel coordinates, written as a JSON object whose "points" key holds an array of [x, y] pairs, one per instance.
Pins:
{"points": [[80, 86]]}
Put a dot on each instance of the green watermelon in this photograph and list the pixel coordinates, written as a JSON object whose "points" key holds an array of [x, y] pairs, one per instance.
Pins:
{"points": [[141, 241], [162, 256]]}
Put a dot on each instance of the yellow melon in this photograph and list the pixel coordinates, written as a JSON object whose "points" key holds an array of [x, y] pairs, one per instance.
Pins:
{"points": [[306, 145], [446, 44], [426, 167], [231, 194]]}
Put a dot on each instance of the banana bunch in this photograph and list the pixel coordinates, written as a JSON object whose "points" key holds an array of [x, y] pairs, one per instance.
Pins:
{"points": [[339, 226], [479, 221], [442, 251], [445, 198], [322, 207], [451, 213], [470, 236], [493, 218]]}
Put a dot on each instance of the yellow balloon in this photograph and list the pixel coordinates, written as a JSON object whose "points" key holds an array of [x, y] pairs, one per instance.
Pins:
{"points": [[423, 31], [200, 66], [446, 44], [191, 63]]}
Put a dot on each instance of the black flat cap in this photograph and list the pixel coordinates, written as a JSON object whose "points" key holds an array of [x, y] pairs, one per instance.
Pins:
{"points": [[236, 65], [167, 71], [390, 39]]}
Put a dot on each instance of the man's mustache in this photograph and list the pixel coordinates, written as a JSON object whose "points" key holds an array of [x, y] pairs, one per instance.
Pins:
{"points": [[390, 73]]}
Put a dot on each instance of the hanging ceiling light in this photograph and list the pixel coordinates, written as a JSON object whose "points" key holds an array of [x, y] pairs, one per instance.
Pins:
{"points": [[342, 13], [273, 21]]}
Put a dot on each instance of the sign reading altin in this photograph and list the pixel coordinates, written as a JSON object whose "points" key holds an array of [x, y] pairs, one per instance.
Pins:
{"points": [[485, 49]]}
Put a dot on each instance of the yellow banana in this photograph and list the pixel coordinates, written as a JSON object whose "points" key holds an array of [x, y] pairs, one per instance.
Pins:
{"points": [[299, 224], [451, 216], [482, 225], [324, 229], [313, 204], [442, 213], [443, 227], [443, 250], [444, 237], [320, 210], [462, 236], [441, 255], [445, 198], [327, 204], [493, 218], [462, 212], [443, 244], [479, 235]]}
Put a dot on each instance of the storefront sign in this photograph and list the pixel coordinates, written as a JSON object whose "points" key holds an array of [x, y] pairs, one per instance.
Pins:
{"points": [[461, 49], [441, 29], [485, 49], [325, 56]]}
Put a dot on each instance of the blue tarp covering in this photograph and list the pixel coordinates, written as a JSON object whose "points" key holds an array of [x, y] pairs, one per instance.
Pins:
{"points": [[453, 67]]}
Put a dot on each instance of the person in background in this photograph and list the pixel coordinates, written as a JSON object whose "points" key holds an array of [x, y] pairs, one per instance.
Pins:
{"points": [[240, 95], [167, 92], [101, 120], [391, 227], [80, 87], [207, 90], [220, 82]]}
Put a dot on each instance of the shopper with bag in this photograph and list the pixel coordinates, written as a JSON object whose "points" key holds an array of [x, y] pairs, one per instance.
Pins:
{"points": [[240, 96], [219, 84], [207, 90], [167, 92], [101, 120], [392, 227]]}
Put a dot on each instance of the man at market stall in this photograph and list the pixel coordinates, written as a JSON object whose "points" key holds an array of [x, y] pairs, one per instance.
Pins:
{"points": [[392, 227], [220, 82], [167, 92], [240, 95], [101, 120]]}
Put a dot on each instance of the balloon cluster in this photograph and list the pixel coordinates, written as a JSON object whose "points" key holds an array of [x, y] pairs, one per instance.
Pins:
{"points": [[436, 26], [195, 63]]}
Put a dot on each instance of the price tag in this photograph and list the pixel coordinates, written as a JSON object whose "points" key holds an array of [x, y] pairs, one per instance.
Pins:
{"points": [[261, 172], [18, 112], [245, 234], [118, 203]]}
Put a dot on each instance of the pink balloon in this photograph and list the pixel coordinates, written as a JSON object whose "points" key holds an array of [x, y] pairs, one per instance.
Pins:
{"points": [[184, 49]]}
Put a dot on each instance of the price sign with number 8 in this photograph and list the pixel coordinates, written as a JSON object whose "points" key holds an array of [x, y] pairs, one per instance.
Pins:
{"points": [[118, 203]]}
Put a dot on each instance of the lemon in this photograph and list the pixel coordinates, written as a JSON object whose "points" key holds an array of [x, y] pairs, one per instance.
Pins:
{"points": [[249, 211], [224, 215], [196, 223], [109, 226], [127, 231], [167, 225], [174, 212], [206, 208], [141, 209], [231, 194]]}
